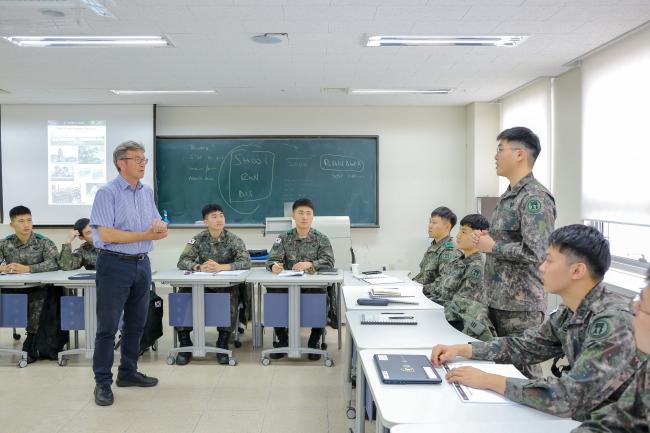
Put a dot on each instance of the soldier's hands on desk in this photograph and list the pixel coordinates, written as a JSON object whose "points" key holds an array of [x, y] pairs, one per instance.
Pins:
{"points": [[441, 354], [475, 378], [304, 266], [212, 266], [277, 268], [14, 268]]}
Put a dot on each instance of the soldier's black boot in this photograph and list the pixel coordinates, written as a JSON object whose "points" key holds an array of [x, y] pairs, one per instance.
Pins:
{"points": [[29, 346], [314, 343], [283, 341], [184, 358], [222, 343]]}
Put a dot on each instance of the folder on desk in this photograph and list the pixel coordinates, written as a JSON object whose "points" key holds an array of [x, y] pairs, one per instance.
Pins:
{"points": [[83, 276], [406, 369], [387, 319]]}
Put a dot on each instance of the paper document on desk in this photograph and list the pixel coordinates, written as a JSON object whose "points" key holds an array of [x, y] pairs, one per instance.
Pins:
{"points": [[291, 273], [233, 273], [473, 395], [386, 280], [387, 293]]}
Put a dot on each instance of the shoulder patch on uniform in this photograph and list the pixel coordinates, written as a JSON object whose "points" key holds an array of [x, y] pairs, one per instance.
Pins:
{"points": [[278, 241], [191, 241], [449, 244], [446, 255], [534, 205], [601, 328]]}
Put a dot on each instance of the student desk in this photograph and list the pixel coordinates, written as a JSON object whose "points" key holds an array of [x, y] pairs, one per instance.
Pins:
{"points": [[432, 329], [465, 426], [351, 280], [17, 281], [177, 278], [439, 405], [262, 277], [61, 278]]}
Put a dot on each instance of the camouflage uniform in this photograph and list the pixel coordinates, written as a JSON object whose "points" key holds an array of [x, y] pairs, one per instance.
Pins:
{"points": [[288, 249], [85, 255], [520, 227], [598, 343], [227, 249], [40, 254], [631, 413], [460, 290], [437, 256]]}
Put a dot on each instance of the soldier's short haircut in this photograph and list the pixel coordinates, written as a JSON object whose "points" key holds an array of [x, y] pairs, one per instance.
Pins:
{"points": [[475, 221], [302, 202], [18, 211], [583, 244], [446, 214], [524, 136], [81, 224], [210, 208]]}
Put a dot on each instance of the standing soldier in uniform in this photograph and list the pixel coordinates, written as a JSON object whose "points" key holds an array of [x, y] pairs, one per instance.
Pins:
{"points": [[631, 413], [592, 328], [85, 255], [517, 240], [213, 250], [300, 249], [26, 251], [441, 251]]}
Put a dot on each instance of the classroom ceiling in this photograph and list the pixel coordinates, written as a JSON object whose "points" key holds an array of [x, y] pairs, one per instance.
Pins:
{"points": [[325, 49]]}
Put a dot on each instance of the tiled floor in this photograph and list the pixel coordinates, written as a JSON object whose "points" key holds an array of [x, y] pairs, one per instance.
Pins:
{"points": [[202, 397]]}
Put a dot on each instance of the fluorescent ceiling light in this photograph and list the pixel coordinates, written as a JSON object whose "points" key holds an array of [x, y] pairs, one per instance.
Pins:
{"points": [[89, 41], [423, 41], [399, 91], [164, 92]]}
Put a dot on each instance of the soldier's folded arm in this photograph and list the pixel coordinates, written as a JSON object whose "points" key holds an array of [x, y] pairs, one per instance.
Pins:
{"points": [[69, 260], [276, 255], [242, 258], [607, 361], [537, 219], [325, 258], [535, 345], [50, 258], [189, 258]]}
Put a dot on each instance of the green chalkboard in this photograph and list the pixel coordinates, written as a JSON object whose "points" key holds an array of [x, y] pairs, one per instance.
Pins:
{"points": [[252, 177]]}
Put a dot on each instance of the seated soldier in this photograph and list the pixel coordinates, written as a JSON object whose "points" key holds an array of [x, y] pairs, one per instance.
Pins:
{"points": [[441, 251], [592, 328], [26, 251], [460, 285], [213, 250], [300, 249], [631, 413], [85, 255]]}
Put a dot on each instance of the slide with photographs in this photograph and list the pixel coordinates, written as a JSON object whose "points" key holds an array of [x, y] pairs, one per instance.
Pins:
{"points": [[76, 161]]}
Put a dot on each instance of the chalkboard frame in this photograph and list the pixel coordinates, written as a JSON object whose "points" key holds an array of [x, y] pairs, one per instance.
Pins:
{"points": [[262, 137]]}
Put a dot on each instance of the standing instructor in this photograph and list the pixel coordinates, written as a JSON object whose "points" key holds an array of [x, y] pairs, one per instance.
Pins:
{"points": [[126, 222]]}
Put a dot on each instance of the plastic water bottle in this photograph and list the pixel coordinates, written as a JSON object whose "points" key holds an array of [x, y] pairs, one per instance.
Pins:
{"points": [[165, 218]]}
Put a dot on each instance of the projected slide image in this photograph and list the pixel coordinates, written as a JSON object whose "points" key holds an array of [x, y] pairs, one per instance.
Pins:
{"points": [[76, 161]]}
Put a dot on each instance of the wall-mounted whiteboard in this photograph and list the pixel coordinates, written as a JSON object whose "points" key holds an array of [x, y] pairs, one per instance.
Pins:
{"points": [[55, 157]]}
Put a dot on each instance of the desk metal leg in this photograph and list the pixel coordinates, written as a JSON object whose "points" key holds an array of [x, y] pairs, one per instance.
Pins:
{"points": [[198, 322], [256, 305], [23, 355], [360, 420], [338, 311], [90, 327]]}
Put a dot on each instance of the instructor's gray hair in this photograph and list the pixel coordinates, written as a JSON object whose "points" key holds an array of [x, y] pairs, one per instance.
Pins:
{"points": [[122, 148]]}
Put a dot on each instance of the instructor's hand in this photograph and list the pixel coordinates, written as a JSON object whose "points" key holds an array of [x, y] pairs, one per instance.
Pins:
{"points": [[154, 235], [159, 226]]}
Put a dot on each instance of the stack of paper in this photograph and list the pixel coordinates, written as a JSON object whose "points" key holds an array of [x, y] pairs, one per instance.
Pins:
{"points": [[387, 293], [382, 280], [291, 273]]}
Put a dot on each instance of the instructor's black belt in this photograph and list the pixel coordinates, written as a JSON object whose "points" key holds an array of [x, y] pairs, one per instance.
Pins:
{"points": [[128, 257]]}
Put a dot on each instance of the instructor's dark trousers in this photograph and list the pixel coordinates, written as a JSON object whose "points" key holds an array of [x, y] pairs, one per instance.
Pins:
{"points": [[123, 283]]}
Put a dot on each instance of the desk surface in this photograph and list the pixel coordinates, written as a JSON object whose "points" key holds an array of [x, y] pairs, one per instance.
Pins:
{"points": [[61, 277], [432, 329], [466, 425], [440, 405], [19, 279], [178, 277], [352, 293], [264, 277], [351, 280]]}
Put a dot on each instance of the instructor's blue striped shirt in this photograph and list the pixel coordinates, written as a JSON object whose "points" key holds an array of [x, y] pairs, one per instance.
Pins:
{"points": [[119, 206]]}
